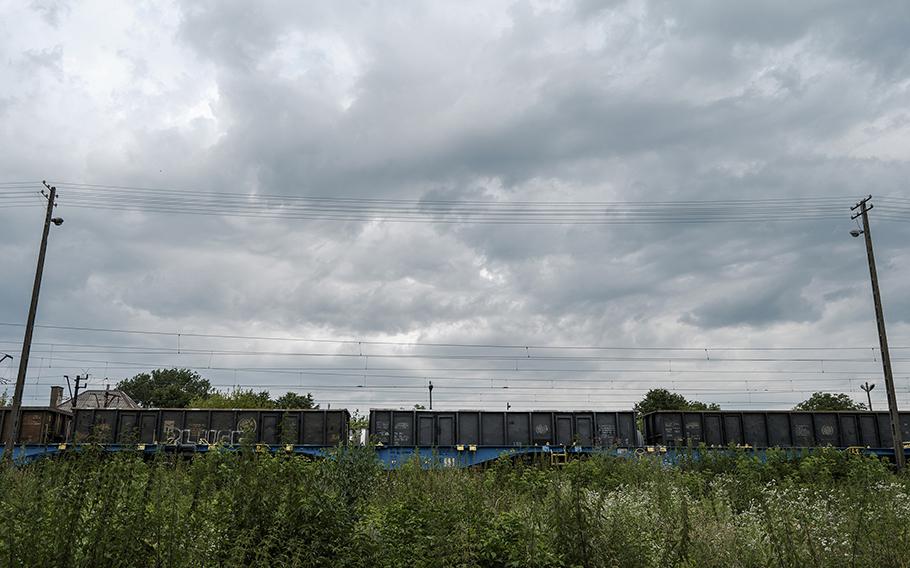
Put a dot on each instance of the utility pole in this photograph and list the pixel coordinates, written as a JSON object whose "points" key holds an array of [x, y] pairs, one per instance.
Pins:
{"points": [[430, 388], [864, 206], [74, 394], [15, 409], [867, 386]]}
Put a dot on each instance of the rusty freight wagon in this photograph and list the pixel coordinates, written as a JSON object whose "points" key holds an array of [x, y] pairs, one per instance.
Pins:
{"points": [[180, 426], [37, 425]]}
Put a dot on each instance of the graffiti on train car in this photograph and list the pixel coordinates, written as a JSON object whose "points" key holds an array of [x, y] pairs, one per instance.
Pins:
{"points": [[202, 436]]}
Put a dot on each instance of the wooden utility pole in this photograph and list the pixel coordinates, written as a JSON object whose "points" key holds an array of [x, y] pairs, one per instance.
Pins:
{"points": [[15, 409], [864, 206]]}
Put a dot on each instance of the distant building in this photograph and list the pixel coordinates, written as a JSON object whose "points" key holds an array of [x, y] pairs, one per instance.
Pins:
{"points": [[100, 398]]}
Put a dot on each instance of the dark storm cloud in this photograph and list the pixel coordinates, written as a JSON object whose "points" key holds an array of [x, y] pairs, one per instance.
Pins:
{"points": [[651, 101], [420, 116]]}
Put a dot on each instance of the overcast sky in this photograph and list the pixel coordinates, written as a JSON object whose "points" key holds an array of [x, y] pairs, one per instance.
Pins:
{"points": [[484, 101]]}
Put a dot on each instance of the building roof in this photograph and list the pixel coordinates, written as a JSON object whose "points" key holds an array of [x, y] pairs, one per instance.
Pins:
{"points": [[101, 398]]}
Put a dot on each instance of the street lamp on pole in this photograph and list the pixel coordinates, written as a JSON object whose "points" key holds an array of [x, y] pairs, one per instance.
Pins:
{"points": [[867, 386], [430, 388]]}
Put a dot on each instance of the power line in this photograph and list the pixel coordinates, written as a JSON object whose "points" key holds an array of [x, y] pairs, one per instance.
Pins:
{"points": [[196, 202], [191, 191], [257, 205], [186, 209]]}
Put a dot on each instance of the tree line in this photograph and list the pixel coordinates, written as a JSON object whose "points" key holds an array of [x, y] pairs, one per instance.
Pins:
{"points": [[185, 388], [662, 399]]}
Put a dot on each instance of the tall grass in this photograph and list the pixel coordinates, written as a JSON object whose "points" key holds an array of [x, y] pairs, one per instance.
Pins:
{"points": [[250, 509]]}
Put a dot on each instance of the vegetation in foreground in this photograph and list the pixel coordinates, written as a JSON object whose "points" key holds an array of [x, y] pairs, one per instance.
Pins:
{"points": [[249, 509]]}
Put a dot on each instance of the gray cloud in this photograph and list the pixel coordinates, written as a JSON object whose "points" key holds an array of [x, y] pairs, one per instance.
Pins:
{"points": [[755, 303], [50, 10], [649, 101]]}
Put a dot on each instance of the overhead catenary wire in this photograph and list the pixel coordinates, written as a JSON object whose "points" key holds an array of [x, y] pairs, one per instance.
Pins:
{"points": [[491, 390], [423, 372], [365, 341], [529, 365], [613, 390], [513, 376], [534, 379], [134, 350]]}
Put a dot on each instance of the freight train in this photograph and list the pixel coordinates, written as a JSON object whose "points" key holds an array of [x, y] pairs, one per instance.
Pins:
{"points": [[451, 438]]}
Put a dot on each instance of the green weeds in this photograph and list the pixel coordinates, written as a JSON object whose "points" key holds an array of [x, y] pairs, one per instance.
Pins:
{"points": [[252, 509]]}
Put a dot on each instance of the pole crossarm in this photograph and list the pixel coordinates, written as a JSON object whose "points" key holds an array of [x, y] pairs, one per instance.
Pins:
{"points": [[860, 204]]}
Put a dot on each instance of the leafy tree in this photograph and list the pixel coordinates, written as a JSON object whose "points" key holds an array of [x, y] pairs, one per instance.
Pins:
{"points": [[419, 406], [166, 388], [294, 400], [4, 399], [829, 401], [182, 388], [248, 398], [238, 398], [662, 399]]}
